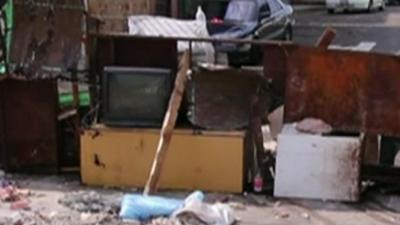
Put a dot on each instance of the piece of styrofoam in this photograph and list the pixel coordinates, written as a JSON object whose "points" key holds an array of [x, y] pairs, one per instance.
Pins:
{"points": [[318, 167]]}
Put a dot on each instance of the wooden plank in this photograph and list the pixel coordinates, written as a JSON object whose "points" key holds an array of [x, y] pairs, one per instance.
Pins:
{"points": [[168, 125], [326, 37]]}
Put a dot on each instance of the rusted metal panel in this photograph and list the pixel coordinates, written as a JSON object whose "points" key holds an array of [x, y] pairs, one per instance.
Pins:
{"points": [[275, 71], [351, 91], [221, 99], [29, 123], [112, 15], [133, 51], [118, 7], [113, 25], [46, 34]]}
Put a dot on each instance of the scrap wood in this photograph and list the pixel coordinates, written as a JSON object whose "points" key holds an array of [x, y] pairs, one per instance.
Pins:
{"points": [[263, 160], [168, 126], [326, 37]]}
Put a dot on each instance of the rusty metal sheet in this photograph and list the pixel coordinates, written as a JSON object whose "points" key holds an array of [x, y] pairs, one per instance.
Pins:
{"points": [[112, 8], [46, 34], [221, 99], [351, 91], [133, 51], [275, 71], [29, 123], [112, 15]]}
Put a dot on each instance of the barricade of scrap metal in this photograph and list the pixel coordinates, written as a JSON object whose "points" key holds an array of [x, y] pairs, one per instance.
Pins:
{"points": [[351, 91], [46, 42], [46, 37]]}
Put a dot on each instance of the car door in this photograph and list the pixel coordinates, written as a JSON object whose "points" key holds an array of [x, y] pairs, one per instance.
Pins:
{"points": [[273, 20]]}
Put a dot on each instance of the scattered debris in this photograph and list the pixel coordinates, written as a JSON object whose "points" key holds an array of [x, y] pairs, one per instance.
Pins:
{"points": [[167, 211], [305, 216], [237, 206], [313, 126], [89, 202], [165, 221], [282, 215], [22, 204], [17, 197], [200, 213]]}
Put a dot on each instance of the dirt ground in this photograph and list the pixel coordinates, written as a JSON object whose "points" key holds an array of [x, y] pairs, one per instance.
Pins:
{"points": [[50, 202]]}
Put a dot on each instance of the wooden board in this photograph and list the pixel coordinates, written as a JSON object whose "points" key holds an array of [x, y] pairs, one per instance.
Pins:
{"points": [[122, 157], [168, 126]]}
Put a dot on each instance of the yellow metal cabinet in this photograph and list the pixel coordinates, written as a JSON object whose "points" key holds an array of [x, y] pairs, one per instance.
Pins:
{"points": [[122, 157]]}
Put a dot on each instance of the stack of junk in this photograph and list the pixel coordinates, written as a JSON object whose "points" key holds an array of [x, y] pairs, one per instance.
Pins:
{"points": [[147, 102]]}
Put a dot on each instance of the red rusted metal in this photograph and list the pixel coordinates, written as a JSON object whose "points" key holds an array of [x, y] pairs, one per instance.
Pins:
{"points": [[46, 34], [28, 113], [351, 91], [275, 71]]}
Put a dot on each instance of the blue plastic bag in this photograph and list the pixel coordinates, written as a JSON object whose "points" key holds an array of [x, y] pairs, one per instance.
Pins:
{"points": [[139, 207]]}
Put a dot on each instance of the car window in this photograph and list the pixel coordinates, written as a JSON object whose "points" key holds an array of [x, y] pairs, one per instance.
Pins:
{"points": [[214, 9], [265, 11], [242, 10], [274, 6]]}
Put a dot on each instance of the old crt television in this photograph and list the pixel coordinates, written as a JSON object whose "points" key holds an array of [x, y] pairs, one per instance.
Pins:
{"points": [[135, 97]]}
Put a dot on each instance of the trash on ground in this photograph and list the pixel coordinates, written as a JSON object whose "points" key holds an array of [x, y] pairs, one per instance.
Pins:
{"points": [[139, 207], [17, 197], [89, 202], [191, 210], [305, 216], [203, 213]]}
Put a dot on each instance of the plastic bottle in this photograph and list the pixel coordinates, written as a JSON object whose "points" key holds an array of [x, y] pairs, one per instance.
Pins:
{"points": [[258, 183], [200, 15]]}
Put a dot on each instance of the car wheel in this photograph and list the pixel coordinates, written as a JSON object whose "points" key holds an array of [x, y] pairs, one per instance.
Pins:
{"points": [[331, 11], [288, 33], [382, 7], [371, 3]]}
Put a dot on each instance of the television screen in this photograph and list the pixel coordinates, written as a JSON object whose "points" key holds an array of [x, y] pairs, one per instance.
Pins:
{"points": [[135, 96]]}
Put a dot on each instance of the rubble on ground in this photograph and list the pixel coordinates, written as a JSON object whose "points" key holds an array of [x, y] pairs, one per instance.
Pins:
{"points": [[89, 202], [17, 198]]}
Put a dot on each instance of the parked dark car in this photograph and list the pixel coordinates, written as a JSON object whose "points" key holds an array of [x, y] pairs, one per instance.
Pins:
{"points": [[247, 19]]}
